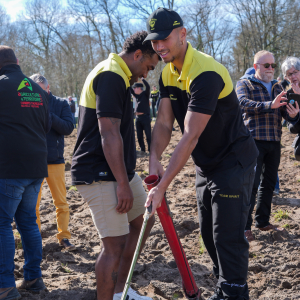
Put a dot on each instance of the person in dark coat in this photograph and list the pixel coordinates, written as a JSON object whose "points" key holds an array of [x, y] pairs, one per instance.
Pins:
{"points": [[24, 122], [291, 71], [62, 124], [73, 109]]}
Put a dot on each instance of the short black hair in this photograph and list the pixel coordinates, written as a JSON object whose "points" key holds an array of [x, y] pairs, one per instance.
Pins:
{"points": [[7, 56], [135, 42]]}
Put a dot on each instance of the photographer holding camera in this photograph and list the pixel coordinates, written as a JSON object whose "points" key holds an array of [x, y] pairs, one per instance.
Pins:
{"points": [[291, 71]]}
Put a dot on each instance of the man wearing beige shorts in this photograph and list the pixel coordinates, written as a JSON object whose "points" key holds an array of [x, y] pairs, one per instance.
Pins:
{"points": [[104, 161]]}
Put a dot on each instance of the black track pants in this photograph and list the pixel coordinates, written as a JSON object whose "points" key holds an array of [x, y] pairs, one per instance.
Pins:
{"points": [[266, 175], [223, 205], [143, 123], [153, 109]]}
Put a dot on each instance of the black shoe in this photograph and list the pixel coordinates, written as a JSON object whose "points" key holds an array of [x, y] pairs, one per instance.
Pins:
{"points": [[10, 294], [218, 295], [67, 245], [35, 285]]}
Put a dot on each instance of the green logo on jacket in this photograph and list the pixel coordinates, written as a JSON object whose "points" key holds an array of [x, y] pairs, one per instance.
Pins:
{"points": [[25, 83]]}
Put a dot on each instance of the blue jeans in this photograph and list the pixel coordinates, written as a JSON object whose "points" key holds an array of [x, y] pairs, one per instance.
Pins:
{"points": [[277, 183], [18, 198]]}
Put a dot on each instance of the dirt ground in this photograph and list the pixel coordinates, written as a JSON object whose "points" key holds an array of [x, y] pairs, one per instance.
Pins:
{"points": [[274, 260]]}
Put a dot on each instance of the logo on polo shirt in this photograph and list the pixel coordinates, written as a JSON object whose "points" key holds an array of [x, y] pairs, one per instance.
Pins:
{"points": [[25, 83], [152, 23], [103, 174], [176, 23], [172, 97]]}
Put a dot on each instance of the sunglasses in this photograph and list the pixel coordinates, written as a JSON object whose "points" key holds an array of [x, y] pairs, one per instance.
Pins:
{"points": [[267, 65]]}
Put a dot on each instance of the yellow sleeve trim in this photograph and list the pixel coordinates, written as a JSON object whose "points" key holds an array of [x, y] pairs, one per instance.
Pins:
{"points": [[114, 64]]}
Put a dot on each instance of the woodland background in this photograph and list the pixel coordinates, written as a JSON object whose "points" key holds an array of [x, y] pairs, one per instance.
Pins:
{"points": [[64, 42]]}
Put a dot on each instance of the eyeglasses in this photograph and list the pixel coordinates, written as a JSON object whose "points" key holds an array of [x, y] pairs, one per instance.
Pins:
{"points": [[291, 74], [267, 65]]}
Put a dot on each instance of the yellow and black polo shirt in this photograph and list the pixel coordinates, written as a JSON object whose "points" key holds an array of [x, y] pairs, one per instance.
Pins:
{"points": [[154, 96], [105, 94], [204, 86]]}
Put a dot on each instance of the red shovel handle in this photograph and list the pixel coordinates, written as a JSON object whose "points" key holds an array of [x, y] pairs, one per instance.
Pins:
{"points": [[189, 285]]}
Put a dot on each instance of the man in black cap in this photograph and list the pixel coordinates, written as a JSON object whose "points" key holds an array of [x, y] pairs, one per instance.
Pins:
{"points": [[198, 92], [142, 112], [104, 160]]}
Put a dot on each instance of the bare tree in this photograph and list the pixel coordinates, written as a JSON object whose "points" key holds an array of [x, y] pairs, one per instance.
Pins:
{"points": [[271, 25]]}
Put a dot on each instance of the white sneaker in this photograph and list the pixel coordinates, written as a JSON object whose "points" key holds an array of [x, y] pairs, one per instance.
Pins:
{"points": [[131, 295]]}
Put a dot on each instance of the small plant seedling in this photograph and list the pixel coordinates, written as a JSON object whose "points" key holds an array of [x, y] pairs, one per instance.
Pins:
{"points": [[19, 245], [280, 214], [296, 164], [298, 180], [252, 255], [167, 155], [202, 246], [65, 268], [17, 234], [145, 173], [73, 188], [286, 226], [175, 296]]}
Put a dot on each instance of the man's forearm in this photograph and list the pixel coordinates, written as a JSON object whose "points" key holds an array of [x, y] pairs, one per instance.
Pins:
{"points": [[250, 106], [146, 85], [113, 151], [161, 137]]}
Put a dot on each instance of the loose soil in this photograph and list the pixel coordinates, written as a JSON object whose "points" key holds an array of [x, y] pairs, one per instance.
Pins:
{"points": [[274, 259]]}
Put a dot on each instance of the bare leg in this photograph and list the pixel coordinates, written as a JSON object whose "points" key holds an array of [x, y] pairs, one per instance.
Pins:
{"points": [[107, 266], [135, 228]]}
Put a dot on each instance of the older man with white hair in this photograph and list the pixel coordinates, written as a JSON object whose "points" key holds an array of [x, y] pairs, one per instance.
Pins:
{"points": [[263, 105], [62, 124]]}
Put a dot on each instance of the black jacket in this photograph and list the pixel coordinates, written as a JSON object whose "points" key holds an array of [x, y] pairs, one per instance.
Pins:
{"points": [[24, 122], [295, 128], [142, 100], [62, 124]]}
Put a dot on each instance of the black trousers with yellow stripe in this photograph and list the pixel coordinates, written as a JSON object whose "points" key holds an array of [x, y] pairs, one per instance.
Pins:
{"points": [[223, 205]]}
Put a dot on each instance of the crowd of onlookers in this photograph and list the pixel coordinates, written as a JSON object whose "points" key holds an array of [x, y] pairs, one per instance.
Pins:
{"points": [[33, 123]]}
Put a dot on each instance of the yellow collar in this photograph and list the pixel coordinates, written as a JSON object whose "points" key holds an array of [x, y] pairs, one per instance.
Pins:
{"points": [[122, 64], [186, 64]]}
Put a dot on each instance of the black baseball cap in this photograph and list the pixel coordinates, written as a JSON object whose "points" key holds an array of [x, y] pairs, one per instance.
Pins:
{"points": [[138, 84], [161, 23]]}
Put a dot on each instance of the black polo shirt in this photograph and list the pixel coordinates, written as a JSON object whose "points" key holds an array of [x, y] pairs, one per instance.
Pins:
{"points": [[105, 94], [205, 86]]}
